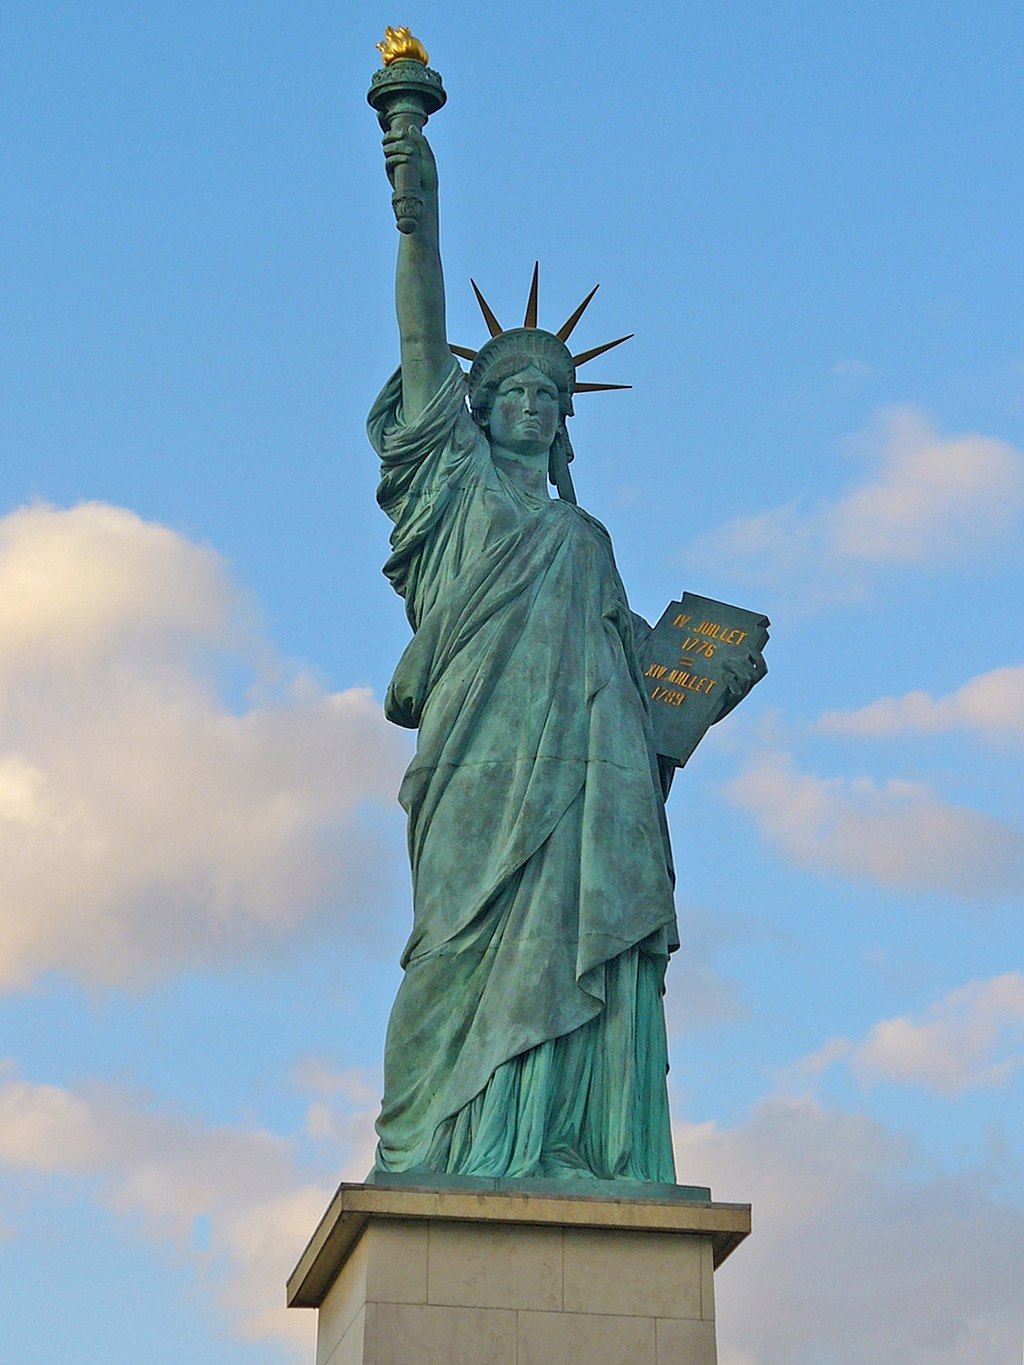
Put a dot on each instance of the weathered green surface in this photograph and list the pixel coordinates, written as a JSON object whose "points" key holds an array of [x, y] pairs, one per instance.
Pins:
{"points": [[528, 1036]]}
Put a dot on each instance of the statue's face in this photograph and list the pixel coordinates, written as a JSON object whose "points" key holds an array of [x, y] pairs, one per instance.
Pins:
{"points": [[524, 413]]}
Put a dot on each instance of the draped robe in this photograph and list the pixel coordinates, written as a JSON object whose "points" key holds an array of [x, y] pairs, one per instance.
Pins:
{"points": [[527, 1037]]}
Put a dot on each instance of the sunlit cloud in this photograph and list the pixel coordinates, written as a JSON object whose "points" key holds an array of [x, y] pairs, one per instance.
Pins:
{"points": [[927, 499], [990, 705], [973, 1038], [160, 1171], [146, 823], [894, 833], [341, 1111]]}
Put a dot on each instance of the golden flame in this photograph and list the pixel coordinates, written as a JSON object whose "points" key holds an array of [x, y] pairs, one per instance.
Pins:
{"points": [[400, 46]]}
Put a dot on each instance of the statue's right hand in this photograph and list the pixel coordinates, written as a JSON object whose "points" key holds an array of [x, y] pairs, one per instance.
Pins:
{"points": [[406, 146]]}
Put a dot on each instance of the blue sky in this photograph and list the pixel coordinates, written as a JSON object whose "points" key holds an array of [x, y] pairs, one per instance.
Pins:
{"points": [[810, 217]]}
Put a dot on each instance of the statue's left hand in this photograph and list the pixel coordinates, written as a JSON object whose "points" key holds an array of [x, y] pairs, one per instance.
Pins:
{"points": [[739, 674]]}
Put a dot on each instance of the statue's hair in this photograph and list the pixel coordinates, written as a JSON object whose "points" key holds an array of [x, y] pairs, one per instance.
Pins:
{"points": [[510, 352], [560, 456]]}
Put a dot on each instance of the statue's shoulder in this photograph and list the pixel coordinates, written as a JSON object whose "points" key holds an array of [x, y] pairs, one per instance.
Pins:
{"points": [[591, 521], [394, 433]]}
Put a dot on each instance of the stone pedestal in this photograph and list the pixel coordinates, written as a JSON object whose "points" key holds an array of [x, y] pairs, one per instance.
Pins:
{"points": [[413, 1276]]}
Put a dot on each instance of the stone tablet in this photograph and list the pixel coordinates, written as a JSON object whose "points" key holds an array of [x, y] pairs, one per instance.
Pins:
{"points": [[685, 661]]}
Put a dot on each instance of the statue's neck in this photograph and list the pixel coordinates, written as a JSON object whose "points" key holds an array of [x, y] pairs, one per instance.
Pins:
{"points": [[528, 472]]}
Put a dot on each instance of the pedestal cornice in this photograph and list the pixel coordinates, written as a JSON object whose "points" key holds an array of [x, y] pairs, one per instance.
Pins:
{"points": [[354, 1205]]}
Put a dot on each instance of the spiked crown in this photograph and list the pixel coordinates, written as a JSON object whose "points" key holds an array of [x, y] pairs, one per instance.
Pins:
{"points": [[507, 351]]}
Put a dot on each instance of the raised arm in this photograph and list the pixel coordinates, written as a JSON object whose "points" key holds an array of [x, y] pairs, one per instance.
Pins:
{"points": [[419, 282]]}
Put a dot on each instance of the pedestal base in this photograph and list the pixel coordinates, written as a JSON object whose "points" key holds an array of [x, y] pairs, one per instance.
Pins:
{"points": [[406, 1276]]}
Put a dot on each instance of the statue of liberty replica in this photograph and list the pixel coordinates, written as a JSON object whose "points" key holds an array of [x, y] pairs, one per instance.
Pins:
{"points": [[528, 1035], [523, 1204]]}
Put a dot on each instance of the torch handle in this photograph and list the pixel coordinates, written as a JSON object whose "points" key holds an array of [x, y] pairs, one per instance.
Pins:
{"points": [[407, 200]]}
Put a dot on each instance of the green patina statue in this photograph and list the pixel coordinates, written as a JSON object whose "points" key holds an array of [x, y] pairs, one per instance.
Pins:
{"points": [[528, 1035]]}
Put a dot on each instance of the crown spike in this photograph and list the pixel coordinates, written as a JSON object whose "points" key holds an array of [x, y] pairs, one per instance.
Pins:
{"points": [[493, 325], [584, 356], [530, 320], [598, 388], [463, 352], [565, 331]]}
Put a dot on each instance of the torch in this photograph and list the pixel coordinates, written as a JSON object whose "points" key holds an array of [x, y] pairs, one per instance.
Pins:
{"points": [[404, 92]]}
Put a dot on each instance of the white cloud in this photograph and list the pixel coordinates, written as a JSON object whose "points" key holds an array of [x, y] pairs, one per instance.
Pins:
{"points": [[990, 705], [932, 497], [342, 1111], [832, 1051], [971, 1039], [855, 1256], [853, 371], [929, 499], [896, 833], [146, 824], [81, 584], [159, 1171]]}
